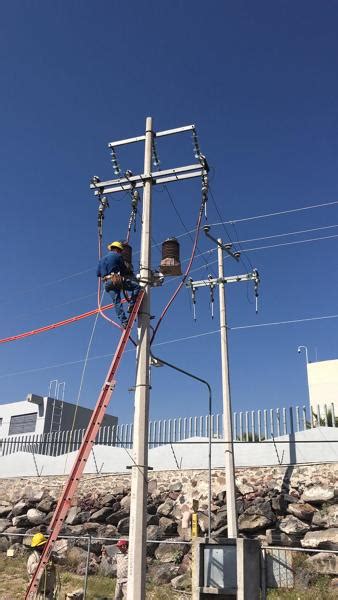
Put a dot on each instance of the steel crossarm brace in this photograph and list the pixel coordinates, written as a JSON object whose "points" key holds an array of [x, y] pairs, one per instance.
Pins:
{"points": [[216, 281], [136, 181], [72, 483]]}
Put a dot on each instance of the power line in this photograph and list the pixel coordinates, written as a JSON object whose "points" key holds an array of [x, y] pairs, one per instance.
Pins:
{"points": [[173, 341]]}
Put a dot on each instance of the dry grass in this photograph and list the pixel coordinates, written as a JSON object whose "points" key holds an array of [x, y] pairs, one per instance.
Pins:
{"points": [[13, 583]]}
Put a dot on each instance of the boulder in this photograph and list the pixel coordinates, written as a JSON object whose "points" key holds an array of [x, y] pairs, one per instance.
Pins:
{"points": [[107, 531], [153, 519], [327, 517], [324, 563], [291, 524], [76, 595], [327, 538], [4, 544], [166, 508], [72, 514], [252, 523], [115, 517], [151, 509], [301, 510], [47, 504], [181, 582], [4, 523], [100, 516], [175, 487], [162, 574], [35, 516], [168, 526], [108, 499], [171, 553], [275, 537], [123, 526], [220, 519], [318, 494], [107, 566], [21, 508], [13, 534], [125, 502], [185, 566], [244, 488], [279, 504], [5, 508], [20, 521]]}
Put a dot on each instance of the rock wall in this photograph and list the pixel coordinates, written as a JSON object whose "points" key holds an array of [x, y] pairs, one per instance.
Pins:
{"points": [[291, 506]]}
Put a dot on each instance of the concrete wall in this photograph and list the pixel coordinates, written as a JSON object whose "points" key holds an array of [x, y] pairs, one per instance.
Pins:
{"points": [[82, 416], [44, 410], [318, 445], [20, 408], [323, 384]]}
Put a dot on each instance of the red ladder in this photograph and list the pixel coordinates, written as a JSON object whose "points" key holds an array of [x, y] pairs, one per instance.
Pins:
{"points": [[72, 483]]}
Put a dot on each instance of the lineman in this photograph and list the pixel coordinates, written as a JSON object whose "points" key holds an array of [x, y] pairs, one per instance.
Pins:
{"points": [[112, 270], [121, 570], [48, 586]]}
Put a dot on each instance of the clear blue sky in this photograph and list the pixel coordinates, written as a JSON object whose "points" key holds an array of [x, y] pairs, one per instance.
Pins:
{"points": [[259, 80]]}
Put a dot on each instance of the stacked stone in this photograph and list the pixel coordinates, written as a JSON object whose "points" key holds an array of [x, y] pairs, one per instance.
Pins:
{"points": [[280, 510]]}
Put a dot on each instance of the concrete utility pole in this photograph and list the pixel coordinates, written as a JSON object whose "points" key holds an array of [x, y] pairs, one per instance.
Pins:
{"points": [[130, 182], [139, 480], [227, 412]]}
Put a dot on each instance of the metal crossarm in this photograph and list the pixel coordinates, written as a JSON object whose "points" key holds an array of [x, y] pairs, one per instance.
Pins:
{"points": [[72, 483]]}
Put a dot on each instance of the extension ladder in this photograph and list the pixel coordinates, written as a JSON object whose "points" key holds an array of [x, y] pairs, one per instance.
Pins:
{"points": [[72, 483]]}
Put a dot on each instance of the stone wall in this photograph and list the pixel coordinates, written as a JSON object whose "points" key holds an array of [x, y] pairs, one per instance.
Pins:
{"points": [[194, 482], [290, 506]]}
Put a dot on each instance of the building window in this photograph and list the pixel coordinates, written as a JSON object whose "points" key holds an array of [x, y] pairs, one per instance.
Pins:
{"points": [[22, 423]]}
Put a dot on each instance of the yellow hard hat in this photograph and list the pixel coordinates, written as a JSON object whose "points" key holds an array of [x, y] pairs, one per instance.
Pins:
{"points": [[115, 245], [38, 540]]}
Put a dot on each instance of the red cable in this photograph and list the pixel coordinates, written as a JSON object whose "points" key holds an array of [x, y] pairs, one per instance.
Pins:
{"points": [[20, 336], [185, 274]]}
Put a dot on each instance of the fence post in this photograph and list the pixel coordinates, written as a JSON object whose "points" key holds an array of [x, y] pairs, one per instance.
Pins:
{"points": [[85, 583]]}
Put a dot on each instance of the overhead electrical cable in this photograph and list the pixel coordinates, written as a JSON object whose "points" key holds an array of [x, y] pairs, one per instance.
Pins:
{"points": [[173, 341], [252, 218], [186, 273]]}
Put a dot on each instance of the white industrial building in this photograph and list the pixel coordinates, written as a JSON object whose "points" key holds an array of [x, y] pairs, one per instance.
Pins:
{"points": [[38, 415], [323, 385]]}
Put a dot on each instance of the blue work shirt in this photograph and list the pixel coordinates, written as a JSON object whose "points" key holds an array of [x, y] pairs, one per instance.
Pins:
{"points": [[111, 263]]}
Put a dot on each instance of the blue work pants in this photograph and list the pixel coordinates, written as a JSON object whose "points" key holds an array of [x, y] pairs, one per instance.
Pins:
{"points": [[115, 293]]}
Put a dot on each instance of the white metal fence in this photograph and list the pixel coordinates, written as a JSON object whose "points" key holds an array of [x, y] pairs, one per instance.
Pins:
{"points": [[248, 426]]}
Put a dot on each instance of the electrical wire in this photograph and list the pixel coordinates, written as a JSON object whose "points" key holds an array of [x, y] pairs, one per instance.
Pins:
{"points": [[184, 226], [179, 287], [173, 341], [109, 306]]}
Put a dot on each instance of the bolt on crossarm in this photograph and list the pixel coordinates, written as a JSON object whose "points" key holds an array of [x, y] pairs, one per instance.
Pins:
{"points": [[158, 362]]}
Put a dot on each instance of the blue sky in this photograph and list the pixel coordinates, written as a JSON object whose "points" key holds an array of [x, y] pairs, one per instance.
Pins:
{"points": [[259, 80]]}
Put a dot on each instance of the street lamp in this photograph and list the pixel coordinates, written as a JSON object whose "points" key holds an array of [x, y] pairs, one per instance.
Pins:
{"points": [[159, 362], [300, 348]]}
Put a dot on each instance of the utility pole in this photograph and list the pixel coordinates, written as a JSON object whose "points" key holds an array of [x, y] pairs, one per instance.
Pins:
{"points": [[227, 412], [139, 479], [130, 182]]}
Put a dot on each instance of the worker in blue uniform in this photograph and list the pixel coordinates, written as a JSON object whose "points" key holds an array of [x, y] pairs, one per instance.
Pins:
{"points": [[112, 269]]}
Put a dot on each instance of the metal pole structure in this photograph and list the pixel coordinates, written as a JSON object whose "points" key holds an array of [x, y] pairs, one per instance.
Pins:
{"points": [[157, 362], [227, 413], [139, 480], [85, 584]]}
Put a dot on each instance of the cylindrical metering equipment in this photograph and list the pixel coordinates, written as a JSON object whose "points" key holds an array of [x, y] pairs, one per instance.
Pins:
{"points": [[170, 263], [127, 255]]}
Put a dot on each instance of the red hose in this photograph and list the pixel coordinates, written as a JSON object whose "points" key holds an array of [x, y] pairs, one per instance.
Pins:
{"points": [[20, 336]]}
